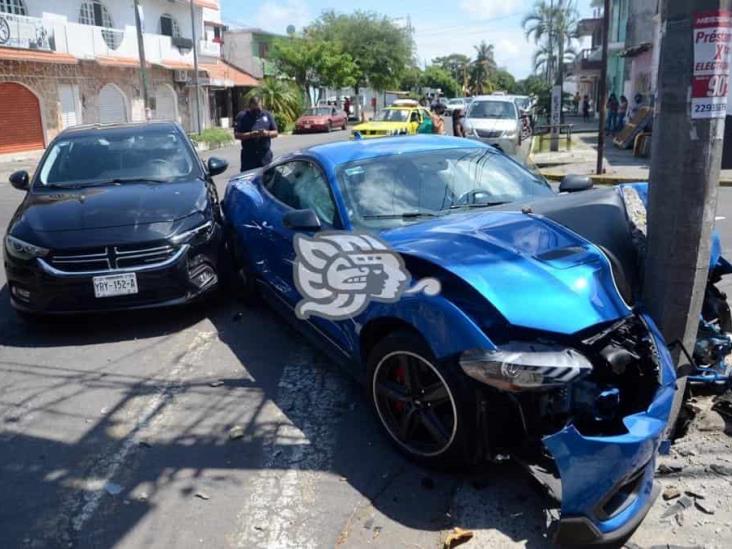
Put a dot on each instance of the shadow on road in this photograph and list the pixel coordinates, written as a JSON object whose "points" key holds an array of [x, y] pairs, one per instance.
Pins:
{"points": [[320, 407]]}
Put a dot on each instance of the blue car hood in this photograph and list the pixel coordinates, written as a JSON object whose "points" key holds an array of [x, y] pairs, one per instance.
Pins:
{"points": [[535, 272]]}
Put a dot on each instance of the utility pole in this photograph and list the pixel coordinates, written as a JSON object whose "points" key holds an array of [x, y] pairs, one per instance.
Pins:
{"points": [[143, 63], [602, 92], [555, 112], [688, 131], [196, 85]]}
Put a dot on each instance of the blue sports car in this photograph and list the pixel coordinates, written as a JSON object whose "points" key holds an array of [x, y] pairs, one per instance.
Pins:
{"points": [[486, 314]]}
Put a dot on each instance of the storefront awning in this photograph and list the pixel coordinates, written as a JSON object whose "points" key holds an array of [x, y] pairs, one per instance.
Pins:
{"points": [[37, 56], [106, 61], [227, 76], [176, 65]]}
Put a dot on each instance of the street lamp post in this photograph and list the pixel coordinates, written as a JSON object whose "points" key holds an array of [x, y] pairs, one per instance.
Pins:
{"points": [[196, 85], [143, 63]]}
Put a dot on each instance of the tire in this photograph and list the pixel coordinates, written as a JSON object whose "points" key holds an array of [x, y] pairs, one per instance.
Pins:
{"points": [[344, 127], [240, 278], [330, 126], [434, 423]]}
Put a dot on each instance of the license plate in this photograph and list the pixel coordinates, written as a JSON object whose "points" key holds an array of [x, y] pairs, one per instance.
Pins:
{"points": [[113, 285]]}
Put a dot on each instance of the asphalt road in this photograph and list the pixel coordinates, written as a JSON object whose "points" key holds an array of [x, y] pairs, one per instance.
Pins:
{"points": [[114, 430]]}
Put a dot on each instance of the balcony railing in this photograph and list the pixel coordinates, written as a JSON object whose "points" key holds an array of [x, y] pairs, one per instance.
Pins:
{"points": [[90, 42], [586, 61]]}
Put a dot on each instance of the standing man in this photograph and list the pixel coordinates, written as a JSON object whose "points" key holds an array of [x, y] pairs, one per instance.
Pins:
{"points": [[255, 128], [458, 129]]}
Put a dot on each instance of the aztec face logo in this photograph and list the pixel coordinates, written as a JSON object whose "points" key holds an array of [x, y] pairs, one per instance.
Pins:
{"points": [[339, 273]]}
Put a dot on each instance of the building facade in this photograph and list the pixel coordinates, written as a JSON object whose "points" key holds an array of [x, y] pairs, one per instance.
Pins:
{"points": [[249, 49], [68, 62]]}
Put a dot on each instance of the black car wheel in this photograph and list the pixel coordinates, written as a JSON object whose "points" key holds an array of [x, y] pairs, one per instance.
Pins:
{"points": [[424, 405]]}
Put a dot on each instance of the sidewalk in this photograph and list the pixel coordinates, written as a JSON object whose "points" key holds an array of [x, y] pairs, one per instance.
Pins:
{"points": [[12, 162], [620, 166]]}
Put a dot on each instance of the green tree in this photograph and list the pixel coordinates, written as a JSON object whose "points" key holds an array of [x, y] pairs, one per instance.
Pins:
{"points": [[411, 79], [482, 68], [435, 76], [278, 96], [553, 27], [312, 63], [457, 65], [503, 80], [380, 49]]}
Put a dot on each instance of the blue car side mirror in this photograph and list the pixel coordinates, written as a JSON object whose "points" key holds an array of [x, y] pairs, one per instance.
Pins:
{"points": [[573, 183], [301, 220]]}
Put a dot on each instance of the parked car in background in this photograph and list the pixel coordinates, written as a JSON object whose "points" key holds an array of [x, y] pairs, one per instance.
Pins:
{"points": [[533, 346], [454, 104], [321, 119], [116, 217], [403, 119], [495, 120]]}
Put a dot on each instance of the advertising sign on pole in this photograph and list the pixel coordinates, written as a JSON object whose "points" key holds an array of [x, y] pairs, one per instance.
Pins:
{"points": [[712, 37]]}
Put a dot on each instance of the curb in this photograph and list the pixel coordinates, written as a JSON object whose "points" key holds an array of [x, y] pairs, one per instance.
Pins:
{"points": [[617, 179]]}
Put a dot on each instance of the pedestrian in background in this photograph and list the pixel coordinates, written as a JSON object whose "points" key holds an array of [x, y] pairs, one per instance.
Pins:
{"points": [[458, 128], [622, 113], [637, 104], [438, 124], [347, 107], [576, 102], [586, 108], [612, 113], [255, 128]]}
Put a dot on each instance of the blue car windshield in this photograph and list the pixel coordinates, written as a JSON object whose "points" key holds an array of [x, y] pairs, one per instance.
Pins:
{"points": [[389, 191], [117, 156]]}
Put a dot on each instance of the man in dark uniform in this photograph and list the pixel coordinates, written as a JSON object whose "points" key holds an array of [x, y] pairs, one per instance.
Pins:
{"points": [[255, 128]]}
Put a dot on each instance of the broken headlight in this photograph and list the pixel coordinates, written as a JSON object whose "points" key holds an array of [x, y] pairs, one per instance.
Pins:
{"points": [[520, 366]]}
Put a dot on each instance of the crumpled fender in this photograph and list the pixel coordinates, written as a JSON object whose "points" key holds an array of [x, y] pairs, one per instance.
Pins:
{"points": [[593, 467]]}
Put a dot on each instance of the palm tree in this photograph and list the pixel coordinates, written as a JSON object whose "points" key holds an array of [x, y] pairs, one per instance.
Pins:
{"points": [[482, 68], [278, 96], [552, 24], [543, 58]]}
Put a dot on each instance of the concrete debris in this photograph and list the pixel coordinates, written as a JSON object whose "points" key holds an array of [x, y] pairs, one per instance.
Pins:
{"points": [[720, 470], [684, 502], [695, 495], [236, 432], [671, 492], [669, 469], [703, 508], [112, 489], [457, 536], [709, 421], [217, 383], [203, 496]]}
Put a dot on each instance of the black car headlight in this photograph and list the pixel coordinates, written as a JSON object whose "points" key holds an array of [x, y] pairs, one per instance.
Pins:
{"points": [[20, 249], [196, 235], [520, 366]]}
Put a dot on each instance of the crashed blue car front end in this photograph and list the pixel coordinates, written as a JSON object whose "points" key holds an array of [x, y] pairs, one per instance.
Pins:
{"points": [[536, 323]]}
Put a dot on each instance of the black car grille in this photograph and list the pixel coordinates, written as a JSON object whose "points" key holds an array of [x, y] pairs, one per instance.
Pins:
{"points": [[111, 258], [489, 134]]}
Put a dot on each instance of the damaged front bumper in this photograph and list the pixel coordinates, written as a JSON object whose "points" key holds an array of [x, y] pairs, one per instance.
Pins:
{"points": [[607, 484]]}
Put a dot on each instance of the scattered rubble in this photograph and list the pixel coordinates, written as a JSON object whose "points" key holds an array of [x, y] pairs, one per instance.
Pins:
{"points": [[683, 503], [202, 495], [217, 383], [457, 536], [671, 492], [236, 432], [703, 508]]}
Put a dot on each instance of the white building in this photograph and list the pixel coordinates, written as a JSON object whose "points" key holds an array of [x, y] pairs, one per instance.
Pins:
{"points": [[66, 62]]}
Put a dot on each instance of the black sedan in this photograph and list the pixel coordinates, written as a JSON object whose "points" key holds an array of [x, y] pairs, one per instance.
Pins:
{"points": [[115, 217]]}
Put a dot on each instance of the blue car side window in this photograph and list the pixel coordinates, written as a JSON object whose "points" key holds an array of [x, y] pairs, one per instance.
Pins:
{"points": [[300, 185]]}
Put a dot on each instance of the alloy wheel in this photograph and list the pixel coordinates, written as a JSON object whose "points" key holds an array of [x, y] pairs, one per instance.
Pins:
{"points": [[414, 403]]}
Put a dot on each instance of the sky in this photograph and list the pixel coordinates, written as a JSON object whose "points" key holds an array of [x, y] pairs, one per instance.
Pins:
{"points": [[440, 27]]}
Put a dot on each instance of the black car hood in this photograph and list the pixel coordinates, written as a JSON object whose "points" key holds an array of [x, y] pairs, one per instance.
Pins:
{"points": [[112, 206]]}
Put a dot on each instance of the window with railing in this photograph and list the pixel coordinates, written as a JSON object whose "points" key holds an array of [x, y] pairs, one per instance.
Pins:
{"points": [[15, 7], [169, 26], [94, 13]]}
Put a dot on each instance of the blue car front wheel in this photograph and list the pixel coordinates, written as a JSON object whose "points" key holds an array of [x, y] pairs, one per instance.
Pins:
{"points": [[422, 404]]}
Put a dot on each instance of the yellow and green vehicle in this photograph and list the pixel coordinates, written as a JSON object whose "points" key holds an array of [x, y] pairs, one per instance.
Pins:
{"points": [[396, 120]]}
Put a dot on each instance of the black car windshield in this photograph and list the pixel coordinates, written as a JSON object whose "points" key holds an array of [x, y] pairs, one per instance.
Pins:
{"points": [[405, 188], [492, 110], [317, 111], [117, 156], [392, 115]]}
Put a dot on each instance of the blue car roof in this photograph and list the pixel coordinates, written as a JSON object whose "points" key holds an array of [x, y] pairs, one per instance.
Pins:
{"points": [[348, 151]]}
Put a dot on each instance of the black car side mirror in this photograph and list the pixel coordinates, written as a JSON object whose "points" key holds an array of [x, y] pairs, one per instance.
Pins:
{"points": [[20, 180], [573, 183], [301, 220], [216, 165]]}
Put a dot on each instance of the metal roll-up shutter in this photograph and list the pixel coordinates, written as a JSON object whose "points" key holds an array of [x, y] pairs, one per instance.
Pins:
{"points": [[21, 128], [165, 104], [112, 106]]}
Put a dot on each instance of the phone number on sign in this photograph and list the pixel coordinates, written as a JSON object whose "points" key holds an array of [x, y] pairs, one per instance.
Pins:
{"points": [[709, 109]]}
